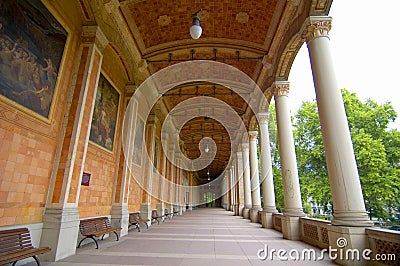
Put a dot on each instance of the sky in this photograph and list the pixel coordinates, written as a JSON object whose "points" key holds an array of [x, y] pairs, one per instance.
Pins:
{"points": [[365, 46]]}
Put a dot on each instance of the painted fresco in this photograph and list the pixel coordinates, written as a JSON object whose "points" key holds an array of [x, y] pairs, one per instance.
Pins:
{"points": [[105, 114], [31, 47]]}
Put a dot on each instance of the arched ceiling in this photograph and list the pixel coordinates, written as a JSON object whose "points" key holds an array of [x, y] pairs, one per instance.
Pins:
{"points": [[259, 37]]}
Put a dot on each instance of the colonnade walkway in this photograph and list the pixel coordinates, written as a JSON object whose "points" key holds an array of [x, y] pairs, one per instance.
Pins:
{"points": [[204, 236]]}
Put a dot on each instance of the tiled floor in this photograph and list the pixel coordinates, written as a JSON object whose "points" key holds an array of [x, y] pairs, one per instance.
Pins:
{"points": [[201, 237]]}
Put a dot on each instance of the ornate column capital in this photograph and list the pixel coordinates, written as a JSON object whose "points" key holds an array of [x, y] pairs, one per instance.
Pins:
{"points": [[253, 135], [245, 146], [263, 118], [316, 26], [280, 88]]}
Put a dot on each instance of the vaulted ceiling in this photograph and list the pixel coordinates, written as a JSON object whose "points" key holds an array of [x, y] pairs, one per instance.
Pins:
{"points": [[260, 38]]}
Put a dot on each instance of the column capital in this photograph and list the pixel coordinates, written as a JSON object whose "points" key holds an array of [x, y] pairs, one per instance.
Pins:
{"points": [[280, 88], [152, 119], [263, 118], [253, 135], [93, 34], [316, 26], [245, 146]]}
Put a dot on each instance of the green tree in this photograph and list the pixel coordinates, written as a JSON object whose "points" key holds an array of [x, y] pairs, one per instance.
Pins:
{"points": [[376, 151]]}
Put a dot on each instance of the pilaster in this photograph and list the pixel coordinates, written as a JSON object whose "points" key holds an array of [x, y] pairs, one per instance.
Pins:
{"points": [[61, 218]]}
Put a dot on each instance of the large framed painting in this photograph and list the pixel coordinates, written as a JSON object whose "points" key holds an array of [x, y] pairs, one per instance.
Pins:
{"points": [[32, 42], [105, 114], [138, 142]]}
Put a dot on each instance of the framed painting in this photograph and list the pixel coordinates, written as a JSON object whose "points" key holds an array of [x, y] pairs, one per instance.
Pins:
{"points": [[105, 114], [32, 43], [138, 142]]}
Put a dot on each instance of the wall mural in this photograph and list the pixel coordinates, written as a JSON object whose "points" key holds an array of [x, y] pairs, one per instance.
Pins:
{"points": [[105, 114], [31, 47], [138, 143]]}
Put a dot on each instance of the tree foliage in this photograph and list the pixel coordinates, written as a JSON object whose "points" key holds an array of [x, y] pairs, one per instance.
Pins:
{"points": [[376, 149]]}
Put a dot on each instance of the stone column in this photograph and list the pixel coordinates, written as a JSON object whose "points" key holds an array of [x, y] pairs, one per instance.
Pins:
{"points": [[224, 192], [171, 177], [348, 201], [239, 173], [229, 192], [255, 178], [119, 209], [145, 206], [246, 181], [268, 191], [290, 177], [160, 206], [234, 182], [61, 217]]}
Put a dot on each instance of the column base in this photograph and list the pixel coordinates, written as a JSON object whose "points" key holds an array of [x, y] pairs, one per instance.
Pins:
{"points": [[346, 240], [352, 219], [266, 219], [240, 210], [145, 212], [246, 213], [120, 218], [160, 208], [291, 227], [60, 232], [228, 207], [236, 209], [254, 214], [224, 205]]}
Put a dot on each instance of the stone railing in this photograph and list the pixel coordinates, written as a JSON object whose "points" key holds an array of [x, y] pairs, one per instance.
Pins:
{"points": [[277, 221], [314, 232], [385, 246]]}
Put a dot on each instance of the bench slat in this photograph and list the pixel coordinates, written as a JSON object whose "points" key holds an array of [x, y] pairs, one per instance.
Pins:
{"points": [[96, 227], [16, 244]]}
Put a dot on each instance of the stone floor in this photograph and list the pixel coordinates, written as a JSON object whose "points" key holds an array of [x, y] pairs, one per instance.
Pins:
{"points": [[201, 237]]}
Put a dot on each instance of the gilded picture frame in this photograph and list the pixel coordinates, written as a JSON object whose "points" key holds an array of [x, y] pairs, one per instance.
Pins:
{"points": [[32, 44]]}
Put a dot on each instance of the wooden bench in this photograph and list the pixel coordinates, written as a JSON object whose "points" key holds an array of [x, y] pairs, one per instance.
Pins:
{"points": [[155, 217], [96, 227], [135, 219], [15, 245], [168, 214]]}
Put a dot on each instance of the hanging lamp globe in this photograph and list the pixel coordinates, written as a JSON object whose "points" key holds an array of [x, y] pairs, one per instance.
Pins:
{"points": [[195, 29]]}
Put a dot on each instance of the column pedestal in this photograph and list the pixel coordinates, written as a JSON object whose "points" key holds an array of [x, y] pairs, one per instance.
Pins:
{"points": [[160, 208], [266, 219], [120, 218], [345, 238], [291, 227], [240, 209], [254, 214], [60, 231], [246, 212], [236, 209], [145, 212]]}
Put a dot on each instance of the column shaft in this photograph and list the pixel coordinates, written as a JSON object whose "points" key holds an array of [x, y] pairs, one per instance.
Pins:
{"points": [[268, 191], [239, 166], [246, 181], [348, 201], [255, 177]]}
